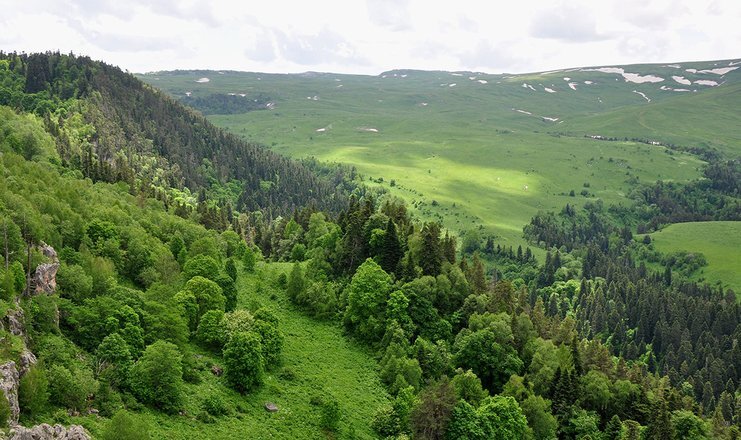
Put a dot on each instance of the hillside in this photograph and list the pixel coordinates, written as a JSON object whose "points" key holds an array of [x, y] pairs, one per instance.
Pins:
{"points": [[112, 127], [473, 149], [140, 305]]}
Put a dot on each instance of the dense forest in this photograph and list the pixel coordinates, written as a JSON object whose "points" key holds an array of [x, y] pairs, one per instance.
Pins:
{"points": [[112, 127], [113, 280]]}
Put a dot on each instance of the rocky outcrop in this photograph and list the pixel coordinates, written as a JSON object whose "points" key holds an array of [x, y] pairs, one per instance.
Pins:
{"points": [[15, 321], [48, 432], [9, 381], [45, 277], [26, 361]]}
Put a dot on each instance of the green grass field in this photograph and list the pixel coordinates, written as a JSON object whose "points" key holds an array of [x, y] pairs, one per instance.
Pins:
{"points": [[472, 149], [720, 242], [318, 361]]}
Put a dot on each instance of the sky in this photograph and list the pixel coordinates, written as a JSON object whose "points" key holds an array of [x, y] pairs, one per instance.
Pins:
{"points": [[372, 36]]}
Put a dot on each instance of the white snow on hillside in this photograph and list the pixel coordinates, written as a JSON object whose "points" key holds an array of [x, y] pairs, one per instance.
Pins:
{"points": [[719, 71], [642, 94], [706, 82], [682, 80], [203, 80]]}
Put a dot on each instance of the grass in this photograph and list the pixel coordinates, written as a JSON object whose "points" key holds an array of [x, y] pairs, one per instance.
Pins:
{"points": [[318, 362], [718, 241], [463, 155]]}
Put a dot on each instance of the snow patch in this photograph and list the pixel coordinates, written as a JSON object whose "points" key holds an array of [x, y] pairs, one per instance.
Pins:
{"points": [[588, 82], [638, 79], [549, 90], [550, 119], [618, 70], [682, 80], [404, 76], [674, 66], [483, 81], [566, 78], [719, 71], [321, 130], [457, 74], [522, 111], [733, 63], [368, 129], [313, 98], [573, 85], [423, 104], [188, 93], [452, 85], [691, 70], [202, 80], [642, 94], [528, 86], [706, 82], [340, 85]]}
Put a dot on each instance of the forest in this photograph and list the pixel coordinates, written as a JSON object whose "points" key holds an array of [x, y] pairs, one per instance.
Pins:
{"points": [[150, 219]]}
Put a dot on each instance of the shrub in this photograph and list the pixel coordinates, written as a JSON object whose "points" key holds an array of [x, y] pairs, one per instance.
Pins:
{"points": [[243, 361], [157, 377], [126, 426]]}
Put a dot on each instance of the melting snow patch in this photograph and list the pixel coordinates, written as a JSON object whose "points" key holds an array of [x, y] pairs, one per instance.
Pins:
{"points": [[733, 63], [720, 71], [566, 78], [423, 104], [549, 90], [321, 130], [642, 94], [618, 70], [706, 82], [368, 129], [313, 98], [528, 86], [550, 119], [637, 78], [483, 81], [682, 80], [588, 82], [203, 80], [472, 78], [457, 74], [242, 95], [691, 70], [188, 93], [452, 85], [573, 85], [404, 76], [674, 66], [522, 111], [339, 85]]}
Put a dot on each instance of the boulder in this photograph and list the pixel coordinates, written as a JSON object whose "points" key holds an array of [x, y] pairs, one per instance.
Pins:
{"points": [[15, 321], [9, 381], [271, 407], [48, 432]]}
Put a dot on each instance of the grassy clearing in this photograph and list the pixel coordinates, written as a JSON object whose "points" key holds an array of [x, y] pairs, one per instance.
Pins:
{"points": [[318, 361], [490, 154], [720, 242]]}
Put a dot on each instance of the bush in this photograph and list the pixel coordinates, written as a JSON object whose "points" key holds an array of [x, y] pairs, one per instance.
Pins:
{"points": [[126, 426], [33, 392], [210, 331], [70, 389], [330, 415], [157, 377], [214, 404], [243, 361]]}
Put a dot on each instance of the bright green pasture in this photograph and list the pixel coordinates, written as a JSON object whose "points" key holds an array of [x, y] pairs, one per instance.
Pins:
{"points": [[720, 242], [486, 148]]}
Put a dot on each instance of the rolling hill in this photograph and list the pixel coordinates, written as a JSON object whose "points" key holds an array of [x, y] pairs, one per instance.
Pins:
{"points": [[470, 148]]}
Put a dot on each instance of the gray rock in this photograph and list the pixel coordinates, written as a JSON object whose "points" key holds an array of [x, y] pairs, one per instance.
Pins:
{"points": [[45, 279], [271, 407], [15, 320], [27, 360], [49, 252], [48, 432], [9, 381]]}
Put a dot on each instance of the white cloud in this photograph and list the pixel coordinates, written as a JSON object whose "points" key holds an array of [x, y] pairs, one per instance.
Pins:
{"points": [[370, 36]]}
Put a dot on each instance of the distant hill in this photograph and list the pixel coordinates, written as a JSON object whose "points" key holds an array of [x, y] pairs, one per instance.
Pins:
{"points": [[474, 149]]}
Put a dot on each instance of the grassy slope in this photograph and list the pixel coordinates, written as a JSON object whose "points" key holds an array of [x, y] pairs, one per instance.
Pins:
{"points": [[718, 241], [322, 363], [467, 145]]}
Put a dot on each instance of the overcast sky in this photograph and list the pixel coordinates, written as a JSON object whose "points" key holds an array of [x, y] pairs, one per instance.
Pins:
{"points": [[352, 36]]}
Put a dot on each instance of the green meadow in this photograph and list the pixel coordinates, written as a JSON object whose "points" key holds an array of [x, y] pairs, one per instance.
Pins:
{"points": [[477, 150], [719, 242]]}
